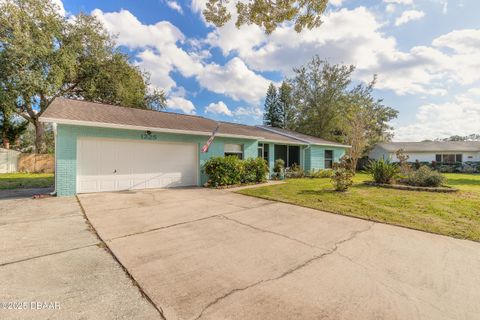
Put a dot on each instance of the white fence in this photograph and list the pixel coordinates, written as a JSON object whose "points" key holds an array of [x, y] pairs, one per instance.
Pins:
{"points": [[8, 160]]}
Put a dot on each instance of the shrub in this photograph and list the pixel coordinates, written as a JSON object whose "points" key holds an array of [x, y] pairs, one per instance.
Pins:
{"points": [[425, 177], [321, 173], [445, 168], [342, 176], [254, 170], [279, 168], [224, 171], [383, 171], [295, 171]]}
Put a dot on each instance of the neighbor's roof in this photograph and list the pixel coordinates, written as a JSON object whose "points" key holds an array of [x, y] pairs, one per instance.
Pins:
{"points": [[303, 137], [431, 146], [85, 113]]}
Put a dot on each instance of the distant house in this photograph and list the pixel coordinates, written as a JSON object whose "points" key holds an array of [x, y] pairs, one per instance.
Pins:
{"points": [[442, 152]]}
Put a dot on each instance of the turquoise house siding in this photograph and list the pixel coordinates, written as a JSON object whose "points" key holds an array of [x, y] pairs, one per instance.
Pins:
{"points": [[315, 156], [66, 150]]}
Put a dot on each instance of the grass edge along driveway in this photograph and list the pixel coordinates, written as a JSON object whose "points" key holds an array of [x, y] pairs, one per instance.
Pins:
{"points": [[9, 181], [451, 214]]}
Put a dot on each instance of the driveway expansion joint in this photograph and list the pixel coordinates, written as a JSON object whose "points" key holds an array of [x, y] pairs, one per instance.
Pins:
{"points": [[352, 236], [129, 275]]}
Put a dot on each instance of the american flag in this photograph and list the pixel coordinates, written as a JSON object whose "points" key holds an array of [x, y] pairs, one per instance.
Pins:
{"points": [[210, 140]]}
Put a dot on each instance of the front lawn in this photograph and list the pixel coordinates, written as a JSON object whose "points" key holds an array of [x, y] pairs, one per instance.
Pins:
{"points": [[25, 180], [453, 214]]}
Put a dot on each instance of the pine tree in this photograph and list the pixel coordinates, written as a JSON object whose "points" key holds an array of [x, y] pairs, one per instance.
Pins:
{"points": [[286, 105], [272, 116]]}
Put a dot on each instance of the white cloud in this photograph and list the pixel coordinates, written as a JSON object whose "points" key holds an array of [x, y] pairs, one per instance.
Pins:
{"points": [[390, 8], [235, 80], [174, 6], [159, 52], [445, 7], [218, 108], [465, 41], [356, 37], [458, 117], [182, 104], [336, 3], [409, 15], [60, 7], [404, 2]]}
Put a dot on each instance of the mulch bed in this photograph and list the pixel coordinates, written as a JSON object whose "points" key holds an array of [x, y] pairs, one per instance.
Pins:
{"points": [[411, 188]]}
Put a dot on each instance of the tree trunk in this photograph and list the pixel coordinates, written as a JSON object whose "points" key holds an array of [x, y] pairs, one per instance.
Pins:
{"points": [[5, 142], [39, 136]]}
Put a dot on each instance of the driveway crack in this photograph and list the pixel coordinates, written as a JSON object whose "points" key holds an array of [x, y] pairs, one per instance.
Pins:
{"points": [[268, 231], [352, 236]]}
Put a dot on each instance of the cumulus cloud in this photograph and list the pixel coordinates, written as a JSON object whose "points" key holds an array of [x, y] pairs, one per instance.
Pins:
{"points": [[60, 7], [234, 80], [457, 117], [158, 45], [254, 112], [465, 41], [174, 6], [409, 15], [336, 3], [404, 2], [218, 108], [182, 104]]}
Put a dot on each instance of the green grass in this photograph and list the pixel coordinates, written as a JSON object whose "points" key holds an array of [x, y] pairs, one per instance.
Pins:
{"points": [[25, 180], [453, 214]]}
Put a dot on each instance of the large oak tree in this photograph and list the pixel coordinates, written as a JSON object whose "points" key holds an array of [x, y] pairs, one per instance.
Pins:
{"points": [[44, 55]]}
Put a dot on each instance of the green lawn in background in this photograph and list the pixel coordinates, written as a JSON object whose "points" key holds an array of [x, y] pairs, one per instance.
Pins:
{"points": [[25, 180], [453, 214]]}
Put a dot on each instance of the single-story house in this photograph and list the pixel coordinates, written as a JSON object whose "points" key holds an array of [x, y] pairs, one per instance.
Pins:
{"points": [[100, 147], [444, 152]]}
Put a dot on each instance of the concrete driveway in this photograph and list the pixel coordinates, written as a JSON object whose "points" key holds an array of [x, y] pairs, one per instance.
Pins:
{"points": [[49, 255], [213, 254]]}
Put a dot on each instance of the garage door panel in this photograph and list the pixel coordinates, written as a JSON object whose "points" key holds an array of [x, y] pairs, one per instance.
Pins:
{"points": [[111, 165]]}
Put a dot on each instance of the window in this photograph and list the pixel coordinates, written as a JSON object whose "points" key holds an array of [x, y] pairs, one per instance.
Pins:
{"points": [[233, 150], [328, 159], [449, 158]]}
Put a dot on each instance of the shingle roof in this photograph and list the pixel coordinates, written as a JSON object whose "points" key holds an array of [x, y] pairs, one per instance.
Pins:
{"points": [[432, 146], [303, 137], [97, 114]]}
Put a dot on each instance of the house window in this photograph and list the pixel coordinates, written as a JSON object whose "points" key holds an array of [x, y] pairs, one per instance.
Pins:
{"points": [[449, 158], [233, 150], [263, 151], [328, 159]]}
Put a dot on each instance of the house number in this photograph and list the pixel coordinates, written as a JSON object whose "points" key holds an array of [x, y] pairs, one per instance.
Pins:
{"points": [[149, 136]]}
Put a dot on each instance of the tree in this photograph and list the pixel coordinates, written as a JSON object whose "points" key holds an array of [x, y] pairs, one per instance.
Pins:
{"points": [[319, 92], [267, 14], [43, 56], [364, 121], [273, 115], [10, 129], [286, 105]]}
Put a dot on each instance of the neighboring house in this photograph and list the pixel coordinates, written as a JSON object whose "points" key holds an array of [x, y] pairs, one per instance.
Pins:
{"points": [[441, 152], [8, 160], [101, 147]]}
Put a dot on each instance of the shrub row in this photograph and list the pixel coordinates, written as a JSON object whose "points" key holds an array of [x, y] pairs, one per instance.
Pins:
{"points": [[225, 171], [386, 172]]}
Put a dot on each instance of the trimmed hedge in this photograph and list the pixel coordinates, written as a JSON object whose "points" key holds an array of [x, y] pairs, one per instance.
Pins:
{"points": [[226, 171]]}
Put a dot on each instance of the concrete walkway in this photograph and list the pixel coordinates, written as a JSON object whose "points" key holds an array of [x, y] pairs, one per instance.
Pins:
{"points": [[48, 255], [214, 254]]}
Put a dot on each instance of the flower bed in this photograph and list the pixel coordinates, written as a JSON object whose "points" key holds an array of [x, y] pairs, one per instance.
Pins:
{"points": [[443, 189]]}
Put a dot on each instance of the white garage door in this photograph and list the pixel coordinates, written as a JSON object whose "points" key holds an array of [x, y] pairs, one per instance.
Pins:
{"points": [[111, 164]]}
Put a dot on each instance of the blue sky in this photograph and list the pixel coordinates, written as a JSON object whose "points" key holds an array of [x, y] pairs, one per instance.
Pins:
{"points": [[426, 54]]}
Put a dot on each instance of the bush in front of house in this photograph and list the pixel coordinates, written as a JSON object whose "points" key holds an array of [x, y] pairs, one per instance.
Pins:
{"points": [[342, 174], [320, 173], [278, 169], [295, 171], [383, 171], [425, 177], [254, 170], [226, 171]]}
